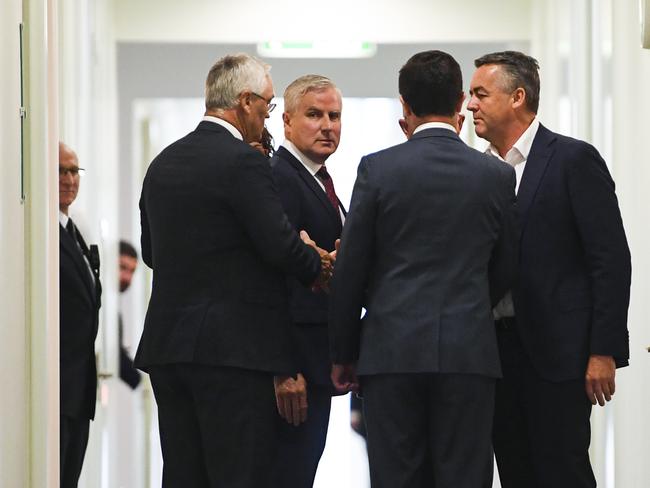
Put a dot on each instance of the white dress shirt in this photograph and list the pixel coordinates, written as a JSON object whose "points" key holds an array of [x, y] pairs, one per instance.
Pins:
{"points": [[434, 125], [227, 125], [515, 157], [309, 165]]}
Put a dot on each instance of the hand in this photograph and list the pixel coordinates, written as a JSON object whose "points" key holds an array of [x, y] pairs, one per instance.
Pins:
{"points": [[333, 254], [599, 379], [291, 398], [326, 264], [259, 147], [344, 377]]}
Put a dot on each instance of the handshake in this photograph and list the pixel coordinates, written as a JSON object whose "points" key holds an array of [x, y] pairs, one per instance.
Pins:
{"points": [[327, 260]]}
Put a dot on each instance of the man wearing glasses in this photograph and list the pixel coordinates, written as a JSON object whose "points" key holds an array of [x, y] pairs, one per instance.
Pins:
{"points": [[217, 326], [80, 292]]}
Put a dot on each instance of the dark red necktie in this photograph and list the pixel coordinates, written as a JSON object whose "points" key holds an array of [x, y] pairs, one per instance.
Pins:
{"points": [[329, 186]]}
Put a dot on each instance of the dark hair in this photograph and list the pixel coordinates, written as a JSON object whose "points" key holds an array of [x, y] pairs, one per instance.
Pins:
{"points": [[431, 83], [520, 70], [126, 249]]}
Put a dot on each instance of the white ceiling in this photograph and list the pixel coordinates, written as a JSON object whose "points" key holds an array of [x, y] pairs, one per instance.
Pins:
{"points": [[381, 21]]}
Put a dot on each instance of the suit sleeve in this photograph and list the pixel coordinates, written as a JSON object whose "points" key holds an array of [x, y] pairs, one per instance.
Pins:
{"points": [[145, 236], [256, 203], [353, 266], [503, 261], [289, 195], [600, 226]]}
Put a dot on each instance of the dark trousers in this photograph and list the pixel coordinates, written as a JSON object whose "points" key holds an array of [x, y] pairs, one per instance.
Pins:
{"points": [[216, 425], [300, 448], [428, 430], [73, 437], [541, 428]]}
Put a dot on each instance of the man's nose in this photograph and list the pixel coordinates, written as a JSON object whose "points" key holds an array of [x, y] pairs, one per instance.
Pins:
{"points": [[66, 178], [326, 124], [472, 106]]}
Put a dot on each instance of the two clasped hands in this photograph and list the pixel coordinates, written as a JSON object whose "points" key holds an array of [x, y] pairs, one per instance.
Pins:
{"points": [[290, 391]]}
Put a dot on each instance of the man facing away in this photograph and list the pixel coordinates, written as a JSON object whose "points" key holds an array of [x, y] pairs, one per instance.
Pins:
{"points": [[80, 293], [217, 326], [312, 129], [562, 331], [427, 248]]}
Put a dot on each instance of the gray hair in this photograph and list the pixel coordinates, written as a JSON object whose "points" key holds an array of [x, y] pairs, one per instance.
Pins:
{"points": [[303, 85], [232, 75]]}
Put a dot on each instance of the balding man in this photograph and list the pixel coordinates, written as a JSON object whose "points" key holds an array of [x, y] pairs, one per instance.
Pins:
{"points": [[217, 327], [80, 293]]}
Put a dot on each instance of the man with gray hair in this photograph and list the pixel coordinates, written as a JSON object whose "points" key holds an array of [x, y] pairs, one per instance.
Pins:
{"points": [[312, 129], [216, 330]]}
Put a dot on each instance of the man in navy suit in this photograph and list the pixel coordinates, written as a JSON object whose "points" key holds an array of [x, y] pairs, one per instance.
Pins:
{"points": [[80, 292], [312, 128], [217, 326], [562, 330], [427, 248]]}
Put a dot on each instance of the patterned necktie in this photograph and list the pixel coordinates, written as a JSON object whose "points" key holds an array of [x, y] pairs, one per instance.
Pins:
{"points": [[329, 186]]}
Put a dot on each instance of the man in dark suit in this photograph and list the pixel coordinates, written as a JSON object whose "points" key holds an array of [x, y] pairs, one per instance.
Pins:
{"points": [[563, 330], [128, 262], [312, 129], [217, 326], [80, 292], [426, 249]]}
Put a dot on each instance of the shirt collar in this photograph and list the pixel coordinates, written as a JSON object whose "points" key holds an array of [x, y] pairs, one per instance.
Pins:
{"points": [[63, 219], [434, 125], [227, 125], [523, 144], [311, 166]]}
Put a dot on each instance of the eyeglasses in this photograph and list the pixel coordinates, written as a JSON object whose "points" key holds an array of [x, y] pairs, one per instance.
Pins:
{"points": [[74, 172], [269, 106]]}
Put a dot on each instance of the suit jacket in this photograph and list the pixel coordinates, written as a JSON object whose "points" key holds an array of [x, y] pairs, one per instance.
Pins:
{"points": [[78, 322], [308, 208], [427, 248], [219, 244], [573, 286]]}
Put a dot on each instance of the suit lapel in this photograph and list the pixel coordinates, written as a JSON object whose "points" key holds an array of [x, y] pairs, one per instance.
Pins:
{"points": [[540, 154], [70, 247], [311, 183]]}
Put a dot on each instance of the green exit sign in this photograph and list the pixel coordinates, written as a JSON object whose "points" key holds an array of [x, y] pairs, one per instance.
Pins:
{"points": [[316, 49]]}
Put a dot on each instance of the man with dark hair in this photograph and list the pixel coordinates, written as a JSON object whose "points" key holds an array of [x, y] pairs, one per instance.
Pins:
{"points": [[80, 299], [426, 249], [312, 129], [562, 330], [217, 326], [128, 262]]}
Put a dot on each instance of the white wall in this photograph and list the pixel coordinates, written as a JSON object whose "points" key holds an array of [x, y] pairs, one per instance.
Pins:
{"points": [[631, 154], [87, 119], [383, 21], [14, 418]]}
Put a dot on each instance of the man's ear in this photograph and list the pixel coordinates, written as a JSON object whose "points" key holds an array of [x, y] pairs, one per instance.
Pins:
{"points": [[519, 98], [286, 119], [406, 109], [245, 101], [459, 104]]}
